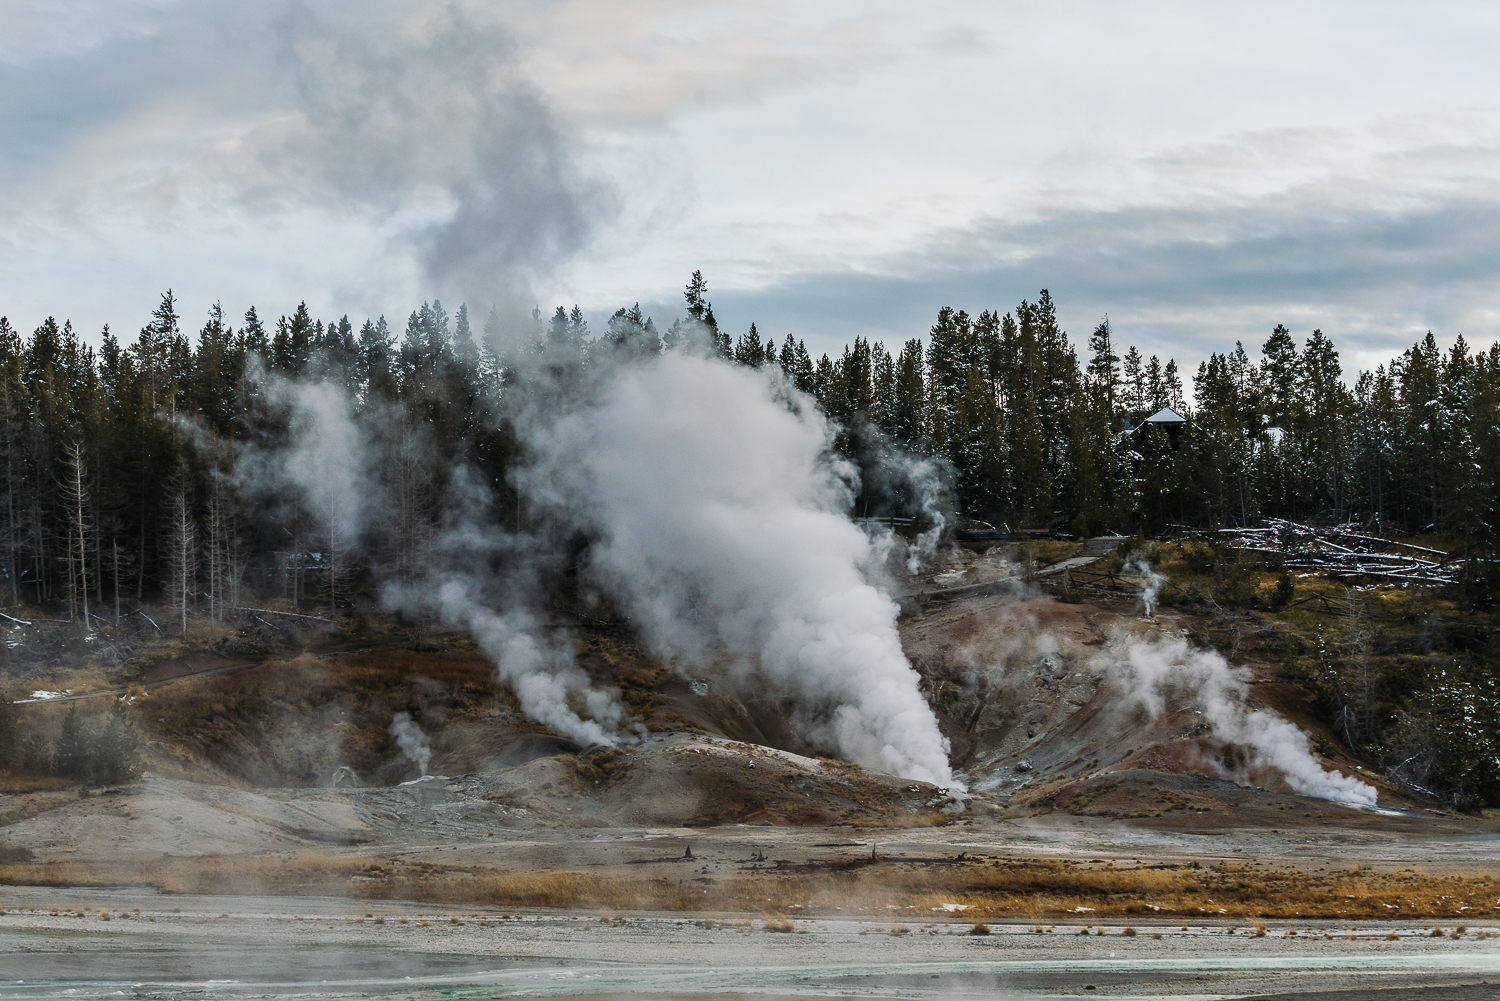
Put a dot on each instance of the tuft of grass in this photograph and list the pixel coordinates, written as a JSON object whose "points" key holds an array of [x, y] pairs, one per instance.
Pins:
{"points": [[1129, 932], [980, 928]]}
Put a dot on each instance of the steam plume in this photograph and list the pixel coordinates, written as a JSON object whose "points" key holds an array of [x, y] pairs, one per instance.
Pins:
{"points": [[722, 530], [718, 523], [413, 741], [1147, 672], [542, 674], [1137, 565], [429, 119]]}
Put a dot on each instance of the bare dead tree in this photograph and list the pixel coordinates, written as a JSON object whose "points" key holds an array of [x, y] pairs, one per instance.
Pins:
{"points": [[76, 501], [225, 562], [338, 561], [182, 543], [115, 548], [411, 488]]}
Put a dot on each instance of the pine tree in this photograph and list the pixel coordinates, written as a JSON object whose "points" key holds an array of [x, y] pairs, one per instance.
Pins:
{"points": [[1134, 380], [976, 449], [882, 387], [950, 354], [1172, 386], [466, 352], [796, 364], [696, 295], [907, 418], [1104, 365], [1032, 503], [1093, 493], [1280, 373], [748, 350]]}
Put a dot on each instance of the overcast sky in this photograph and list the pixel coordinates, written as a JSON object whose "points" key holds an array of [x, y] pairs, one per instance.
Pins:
{"points": [[1197, 171]]}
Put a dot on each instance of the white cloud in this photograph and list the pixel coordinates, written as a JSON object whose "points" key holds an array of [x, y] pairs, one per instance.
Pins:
{"points": [[1196, 170]]}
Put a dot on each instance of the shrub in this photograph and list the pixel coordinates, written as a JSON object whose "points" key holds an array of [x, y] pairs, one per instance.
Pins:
{"points": [[1283, 591], [101, 749], [10, 733]]}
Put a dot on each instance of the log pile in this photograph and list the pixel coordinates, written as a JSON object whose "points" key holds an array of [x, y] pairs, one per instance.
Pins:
{"points": [[1342, 551]]}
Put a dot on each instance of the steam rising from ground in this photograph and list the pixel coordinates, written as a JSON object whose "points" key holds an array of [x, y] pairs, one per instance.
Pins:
{"points": [[1150, 672], [414, 745], [1152, 582], [542, 674], [722, 530], [717, 521]]}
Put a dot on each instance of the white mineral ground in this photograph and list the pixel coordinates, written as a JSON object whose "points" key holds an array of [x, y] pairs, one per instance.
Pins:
{"points": [[278, 947]]}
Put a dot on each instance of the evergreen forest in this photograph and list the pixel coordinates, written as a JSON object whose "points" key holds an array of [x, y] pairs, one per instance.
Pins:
{"points": [[115, 462]]}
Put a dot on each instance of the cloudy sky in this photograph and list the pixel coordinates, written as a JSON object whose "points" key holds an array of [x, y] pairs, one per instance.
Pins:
{"points": [[1197, 171]]}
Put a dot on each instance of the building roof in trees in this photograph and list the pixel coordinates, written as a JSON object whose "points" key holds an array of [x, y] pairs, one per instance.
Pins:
{"points": [[1166, 415]]}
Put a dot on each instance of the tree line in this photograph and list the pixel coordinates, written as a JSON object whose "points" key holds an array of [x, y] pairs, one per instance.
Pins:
{"points": [[118, 478]]}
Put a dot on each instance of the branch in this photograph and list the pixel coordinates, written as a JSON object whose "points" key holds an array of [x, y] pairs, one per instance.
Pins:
{"points": [[272, 611]]}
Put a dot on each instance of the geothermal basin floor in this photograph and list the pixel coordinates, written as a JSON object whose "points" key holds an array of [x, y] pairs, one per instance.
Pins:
{"points": [[109, 943]]}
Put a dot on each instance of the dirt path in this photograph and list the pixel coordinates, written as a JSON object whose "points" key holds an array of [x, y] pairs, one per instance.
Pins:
{"points": [[120, 692], [1090, 551]]}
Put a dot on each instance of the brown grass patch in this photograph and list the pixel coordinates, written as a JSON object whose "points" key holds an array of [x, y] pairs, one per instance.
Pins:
{"points": [[1032, 889]]}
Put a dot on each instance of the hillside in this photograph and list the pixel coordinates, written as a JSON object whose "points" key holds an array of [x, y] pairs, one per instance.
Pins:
{"points": [[1012, 673]]}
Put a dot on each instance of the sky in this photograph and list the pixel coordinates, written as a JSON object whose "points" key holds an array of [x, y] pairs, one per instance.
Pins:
{"points": [[1197, 172]]}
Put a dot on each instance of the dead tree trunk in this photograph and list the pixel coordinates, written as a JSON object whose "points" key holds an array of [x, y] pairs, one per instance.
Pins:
{"points": [[183, 555], [75, 495]]}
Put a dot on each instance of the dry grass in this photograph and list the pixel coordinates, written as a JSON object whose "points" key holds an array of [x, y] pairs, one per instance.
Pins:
{"points": [[1047, 551], [1031, 889]]}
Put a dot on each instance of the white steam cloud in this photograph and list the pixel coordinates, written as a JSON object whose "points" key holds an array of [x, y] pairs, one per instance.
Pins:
{"points": [[326, 459], [413, 742], [923, 475], [543, 675], [722, 530], [1151, 582], [717, 521], [1150, 672]]}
